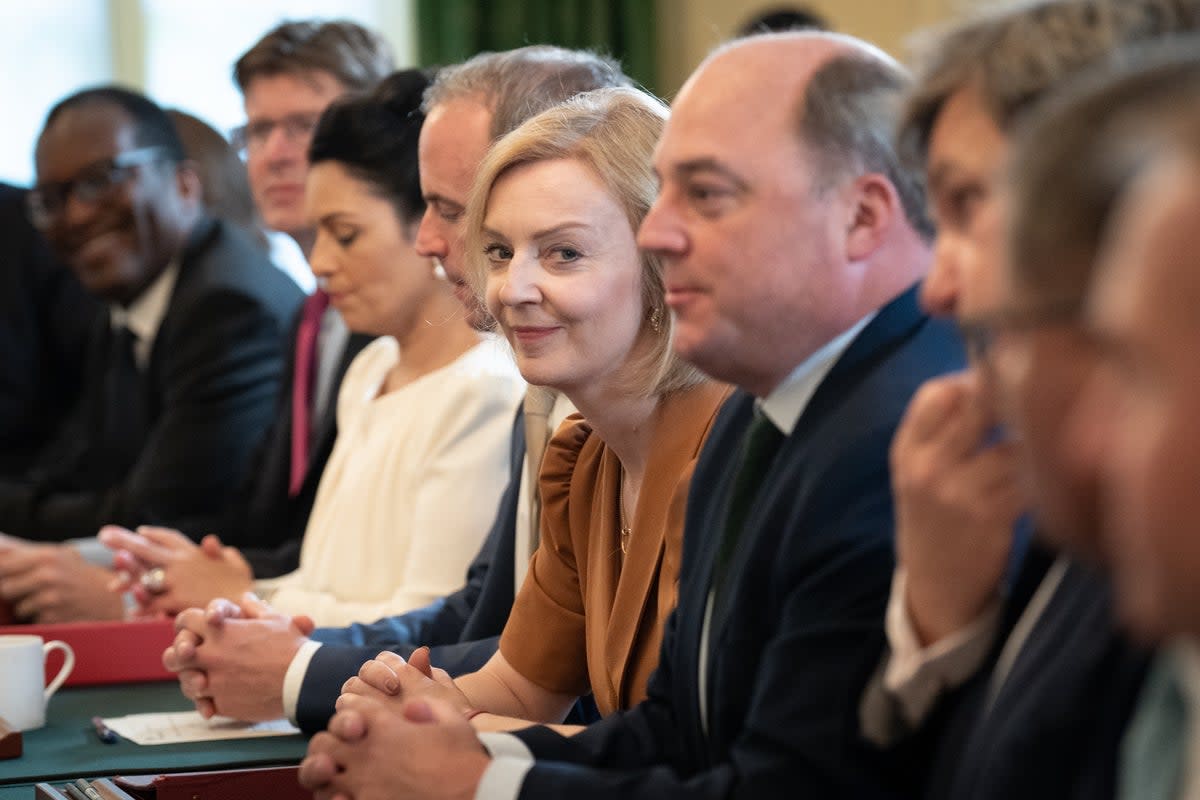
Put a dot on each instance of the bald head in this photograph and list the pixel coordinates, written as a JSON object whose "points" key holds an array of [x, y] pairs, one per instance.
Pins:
{"points": [[782, 202], [782, 61], [839, 94]]}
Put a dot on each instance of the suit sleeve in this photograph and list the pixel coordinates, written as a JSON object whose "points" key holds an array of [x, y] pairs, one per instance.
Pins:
{"points": [[333, 664], [258, 518], [221, 364], [798, 733]]}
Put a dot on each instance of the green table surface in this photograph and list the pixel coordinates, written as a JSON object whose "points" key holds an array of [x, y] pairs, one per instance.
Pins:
{"points": [[67, 747]]}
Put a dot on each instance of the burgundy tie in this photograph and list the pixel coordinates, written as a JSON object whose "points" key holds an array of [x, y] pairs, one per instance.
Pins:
{"points": [[302, 384]]}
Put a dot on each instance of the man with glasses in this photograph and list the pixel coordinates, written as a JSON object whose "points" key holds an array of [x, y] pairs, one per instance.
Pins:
{"points": [[182, 373], [287, 79]]}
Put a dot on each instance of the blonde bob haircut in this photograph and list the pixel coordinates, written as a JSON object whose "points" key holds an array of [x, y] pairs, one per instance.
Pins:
{"points": [[612, 132]]}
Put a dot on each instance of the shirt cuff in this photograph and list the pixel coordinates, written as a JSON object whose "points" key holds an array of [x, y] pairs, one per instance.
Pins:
{"points": [[293, 679], [917, 676], [511, 760], [93, 551]]}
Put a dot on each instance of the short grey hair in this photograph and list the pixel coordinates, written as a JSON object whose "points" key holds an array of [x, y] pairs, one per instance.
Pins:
{"points": [[1014, 54], [518, 84], [847, 115]]}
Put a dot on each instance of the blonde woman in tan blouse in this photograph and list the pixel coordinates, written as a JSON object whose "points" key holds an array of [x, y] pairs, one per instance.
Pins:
{"points": [[552, 227]]}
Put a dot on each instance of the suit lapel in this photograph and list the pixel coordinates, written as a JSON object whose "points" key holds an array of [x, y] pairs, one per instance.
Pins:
{"points": [[891, 326], [704, 531]]}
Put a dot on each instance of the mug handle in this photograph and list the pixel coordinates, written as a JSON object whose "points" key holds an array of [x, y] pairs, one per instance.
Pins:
{"points": [[64, 671]]}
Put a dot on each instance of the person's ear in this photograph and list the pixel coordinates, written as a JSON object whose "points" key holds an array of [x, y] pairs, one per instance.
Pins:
{"points": [[873, 207]]}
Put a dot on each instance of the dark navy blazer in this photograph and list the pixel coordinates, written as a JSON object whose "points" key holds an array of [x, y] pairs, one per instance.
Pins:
{"points": [[803, 626], [1054, 728]]}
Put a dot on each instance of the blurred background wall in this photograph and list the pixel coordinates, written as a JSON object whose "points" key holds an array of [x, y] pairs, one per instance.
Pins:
{"points": [[181, 52]]}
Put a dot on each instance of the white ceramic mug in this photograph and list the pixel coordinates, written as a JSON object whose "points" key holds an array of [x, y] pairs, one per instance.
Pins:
{"points": [[23, 693]]}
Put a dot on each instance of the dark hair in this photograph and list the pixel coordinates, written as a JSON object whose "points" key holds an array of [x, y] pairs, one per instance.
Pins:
{"points": [[225, 187], [783, 19], [847, 115], [152, 127], [518, 84], [357, 57], [374, 136]]}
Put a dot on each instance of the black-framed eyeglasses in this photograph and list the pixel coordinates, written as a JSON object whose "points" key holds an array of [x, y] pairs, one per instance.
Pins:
{"points": [[979, 333], [297, 128], [92, 183]]}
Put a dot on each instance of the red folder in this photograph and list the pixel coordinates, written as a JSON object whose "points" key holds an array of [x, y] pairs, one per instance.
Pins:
{"points": [[107, 652], [277, 783]]}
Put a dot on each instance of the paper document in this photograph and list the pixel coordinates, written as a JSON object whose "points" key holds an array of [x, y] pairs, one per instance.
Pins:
{"points": [[189, 726]]}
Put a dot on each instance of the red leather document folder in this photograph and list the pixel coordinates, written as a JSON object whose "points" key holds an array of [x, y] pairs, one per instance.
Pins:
{"points": [[107, 652], [277, 783]]}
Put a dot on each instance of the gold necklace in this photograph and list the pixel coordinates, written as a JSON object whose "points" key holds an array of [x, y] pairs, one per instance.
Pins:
{"points": [[626, 530]]}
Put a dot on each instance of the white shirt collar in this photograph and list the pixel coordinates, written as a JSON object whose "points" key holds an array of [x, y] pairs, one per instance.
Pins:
{"points": [[144, 316], [787, 401]]}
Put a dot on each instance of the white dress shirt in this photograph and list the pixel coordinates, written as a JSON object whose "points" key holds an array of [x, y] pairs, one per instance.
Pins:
{"points": [[143, 317]]}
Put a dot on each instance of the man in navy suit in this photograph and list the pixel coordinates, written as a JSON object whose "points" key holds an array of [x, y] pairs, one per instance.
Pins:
{"points": [[792, 240], [263, 670], [1137, 421], [1045, 680]]}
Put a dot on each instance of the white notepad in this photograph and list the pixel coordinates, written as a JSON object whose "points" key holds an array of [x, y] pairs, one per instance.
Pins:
{"points": [[189, 726]]}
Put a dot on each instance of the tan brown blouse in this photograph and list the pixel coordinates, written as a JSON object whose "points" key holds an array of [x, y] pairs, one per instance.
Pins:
{"points": [[583, 619]]}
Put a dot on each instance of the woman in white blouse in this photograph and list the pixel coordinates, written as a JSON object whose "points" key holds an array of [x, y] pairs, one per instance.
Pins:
{"points": [[424, 412]]}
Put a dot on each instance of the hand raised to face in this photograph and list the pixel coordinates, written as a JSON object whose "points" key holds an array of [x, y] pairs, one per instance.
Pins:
{"points": [[957, 500]]}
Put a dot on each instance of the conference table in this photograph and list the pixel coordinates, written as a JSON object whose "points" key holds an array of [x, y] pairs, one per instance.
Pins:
{"points": [[68, 747]]}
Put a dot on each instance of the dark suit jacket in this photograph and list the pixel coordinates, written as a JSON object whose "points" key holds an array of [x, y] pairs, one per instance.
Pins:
{"points": [[803, 623], [265, 518], [45, 319], [208, 392], [462, 629], [1055, 726]]}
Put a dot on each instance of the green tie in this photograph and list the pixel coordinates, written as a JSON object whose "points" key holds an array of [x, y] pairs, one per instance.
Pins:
{"points": [[759, 446], [1153, 751]]}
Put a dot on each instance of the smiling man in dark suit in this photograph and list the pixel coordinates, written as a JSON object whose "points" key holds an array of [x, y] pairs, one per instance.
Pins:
{"points": [[182, 373], [792, 240], [287, 79]]}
